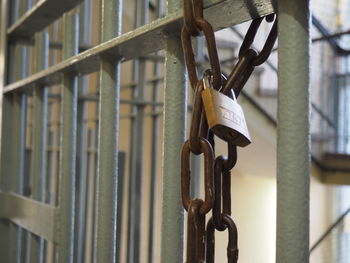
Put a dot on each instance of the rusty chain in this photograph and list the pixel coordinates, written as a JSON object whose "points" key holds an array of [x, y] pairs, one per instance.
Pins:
{"points": [[194, 23], [250, 58], [217, 171]]}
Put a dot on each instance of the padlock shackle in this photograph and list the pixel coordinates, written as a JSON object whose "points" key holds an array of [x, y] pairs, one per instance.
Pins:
{"points": [[197, 120], [243, 66]]}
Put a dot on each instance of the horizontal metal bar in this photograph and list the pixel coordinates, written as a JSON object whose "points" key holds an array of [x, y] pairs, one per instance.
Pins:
{"points": [[334, 35], [329, 230], [141, 41], [42, 14], [52, 44], [93, 98], [34, 216], [149, 81]]}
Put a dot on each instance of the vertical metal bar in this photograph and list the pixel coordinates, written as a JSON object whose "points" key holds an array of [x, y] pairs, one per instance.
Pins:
{"points": [[68, 144], [154, 151], [153, 173], [7, 241], [323, 96], [18, 134], [54, 153], [339, 111], [346, 105], [137, 145], [18, 159], [5, 132], [38, 157], [120, 200], [132, 174], [21, 8], [3, 53], [7, 245], [175, 111], [293, 131], [80, 218], [107, 171], [91, 172]]}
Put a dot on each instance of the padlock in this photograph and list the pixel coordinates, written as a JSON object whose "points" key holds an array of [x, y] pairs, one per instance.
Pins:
{"points": [[224, 115]]}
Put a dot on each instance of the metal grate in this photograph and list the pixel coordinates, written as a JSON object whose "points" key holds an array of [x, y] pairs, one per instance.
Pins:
{"points": [[65, 99]]}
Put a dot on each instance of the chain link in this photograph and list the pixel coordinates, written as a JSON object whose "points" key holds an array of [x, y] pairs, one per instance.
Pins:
{"points": [[250, 58], [217, 171], [194, 24]]}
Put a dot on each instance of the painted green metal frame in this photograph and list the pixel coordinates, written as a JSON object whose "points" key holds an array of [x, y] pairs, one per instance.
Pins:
{"points": [[56, 223]]}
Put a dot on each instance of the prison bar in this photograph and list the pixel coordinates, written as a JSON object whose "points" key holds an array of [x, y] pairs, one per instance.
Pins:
{"points": [[66, 203], [81, 204], [8, 238], [107, 167], [174, 119], [154, 154], [137, 144], [38, 156], [28, 213], [39, 16], [134, 44], [106, 58], [20, 101], [69, 104], [293, 132]]}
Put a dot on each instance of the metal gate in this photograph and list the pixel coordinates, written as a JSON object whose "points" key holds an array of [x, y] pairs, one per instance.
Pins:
{"points": [[55, 164]]}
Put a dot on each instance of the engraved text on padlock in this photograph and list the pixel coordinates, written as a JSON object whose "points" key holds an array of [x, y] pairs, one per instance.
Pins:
{"points": [[225, 117]]}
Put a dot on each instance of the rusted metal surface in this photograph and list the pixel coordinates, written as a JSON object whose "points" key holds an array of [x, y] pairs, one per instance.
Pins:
{"points": [[195, 232], [232, 246], [250, 58], [213, 55], [210, 98], [207, 150]]}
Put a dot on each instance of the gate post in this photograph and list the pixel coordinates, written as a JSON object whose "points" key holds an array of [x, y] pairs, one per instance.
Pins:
{"points": [[175, 103], [293, 134]]}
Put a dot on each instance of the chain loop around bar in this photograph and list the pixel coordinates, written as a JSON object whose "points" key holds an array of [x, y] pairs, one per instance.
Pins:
{"points": [[217, 172], [189, 18], [194, 24]]}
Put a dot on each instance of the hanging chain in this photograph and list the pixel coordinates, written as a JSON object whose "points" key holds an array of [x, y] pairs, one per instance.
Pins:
{"points": [[250, 58], [217, 171], [194, 23]]}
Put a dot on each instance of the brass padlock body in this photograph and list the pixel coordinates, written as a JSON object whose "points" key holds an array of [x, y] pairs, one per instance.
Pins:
{"points": [[225, 117]]}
